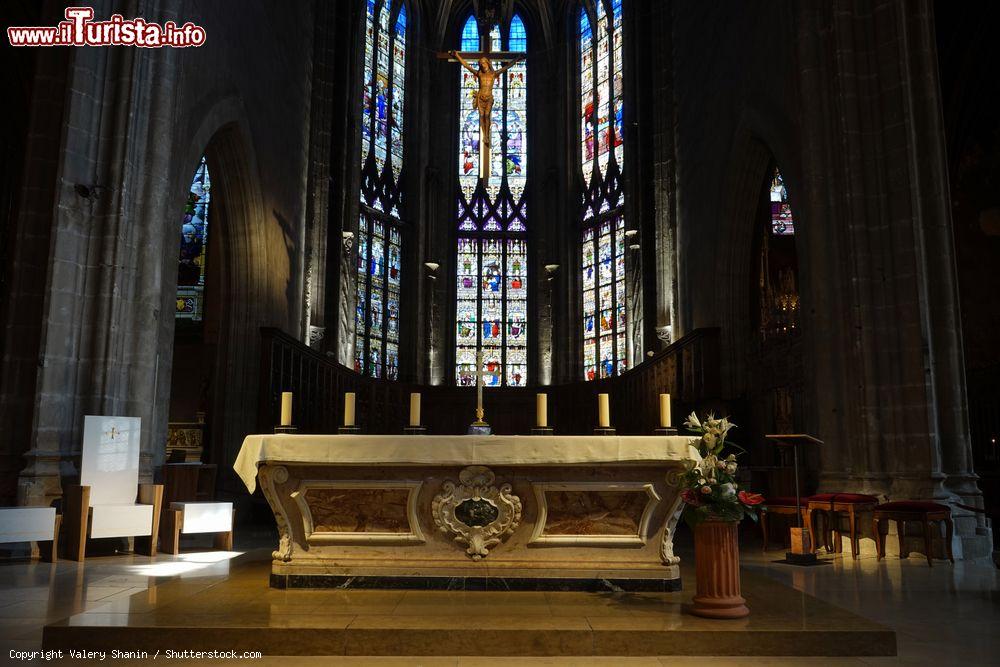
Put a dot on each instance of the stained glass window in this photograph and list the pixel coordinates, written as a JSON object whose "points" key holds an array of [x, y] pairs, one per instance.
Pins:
{"points": [[492, 266], [194, 248], [603, 232], [782, 223], [379, 246]]}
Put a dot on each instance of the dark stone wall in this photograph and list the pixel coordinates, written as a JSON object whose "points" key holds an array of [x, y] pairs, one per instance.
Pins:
{"points": [[89, 327]]}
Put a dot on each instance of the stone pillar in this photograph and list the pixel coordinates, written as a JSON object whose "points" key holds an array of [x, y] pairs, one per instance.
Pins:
{"points": [[318, 193], [876, 198], [663, 122], [100, 314], [27, 266]]}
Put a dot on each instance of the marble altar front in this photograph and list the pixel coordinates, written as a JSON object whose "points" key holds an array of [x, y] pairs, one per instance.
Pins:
{"points": [[473, 512]]}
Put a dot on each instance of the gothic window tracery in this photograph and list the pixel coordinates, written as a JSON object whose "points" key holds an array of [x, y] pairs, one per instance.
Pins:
{"points": [[602, 152], [380, 230], [492, 247]]}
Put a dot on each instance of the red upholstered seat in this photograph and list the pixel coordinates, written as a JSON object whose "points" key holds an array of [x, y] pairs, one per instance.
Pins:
{"points": [[843, 498], [854, 498], [914, 506], [783, 501]]}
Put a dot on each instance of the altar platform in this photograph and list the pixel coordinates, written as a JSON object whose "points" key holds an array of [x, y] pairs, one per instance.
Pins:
{"points": [[238, 611], [520, 513]]}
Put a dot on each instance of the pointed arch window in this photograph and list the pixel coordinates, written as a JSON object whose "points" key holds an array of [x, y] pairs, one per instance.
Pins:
{"points": [[492, 246], [782, 223], [778, 273], [380, 231], [603, 224], [194, 248]]}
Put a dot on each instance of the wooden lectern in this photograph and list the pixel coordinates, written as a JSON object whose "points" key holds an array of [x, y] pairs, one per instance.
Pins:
{"points": [[802, 552]]}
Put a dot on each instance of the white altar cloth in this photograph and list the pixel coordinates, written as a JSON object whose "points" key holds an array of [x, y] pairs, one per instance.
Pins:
{"points": [[462, 450]]}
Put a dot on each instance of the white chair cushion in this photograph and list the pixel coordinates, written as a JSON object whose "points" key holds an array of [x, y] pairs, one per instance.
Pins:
{"points": [[205, 517], [121, 520], [27, 524]]}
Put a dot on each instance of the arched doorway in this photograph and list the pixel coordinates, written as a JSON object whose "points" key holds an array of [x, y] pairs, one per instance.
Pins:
{"points": [[776, 377], [197, 323]]}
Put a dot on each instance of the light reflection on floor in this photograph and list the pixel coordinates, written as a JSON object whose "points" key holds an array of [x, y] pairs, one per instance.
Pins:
{"points": [[943, 615], [185, 565]]}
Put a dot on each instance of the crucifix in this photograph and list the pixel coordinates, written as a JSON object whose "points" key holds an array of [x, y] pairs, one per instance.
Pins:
{"points": [[487, 76], [480, 426]]}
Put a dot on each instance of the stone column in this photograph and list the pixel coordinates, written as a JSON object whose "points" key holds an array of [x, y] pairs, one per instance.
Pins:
{"points": [[664, 231], [318, 194], [877, 199], [99, 318]]}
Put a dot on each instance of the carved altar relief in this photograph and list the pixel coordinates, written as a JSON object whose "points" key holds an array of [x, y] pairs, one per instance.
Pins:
{"points": [[612, 514], [359, 511], [667, 556], [270, 476], [476, 512]]}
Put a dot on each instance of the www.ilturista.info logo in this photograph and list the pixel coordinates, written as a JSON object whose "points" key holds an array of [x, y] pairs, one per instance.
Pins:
{"points": [[79, 29]]}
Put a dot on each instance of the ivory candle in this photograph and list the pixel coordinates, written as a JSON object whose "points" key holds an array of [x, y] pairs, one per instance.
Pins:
{"points": [[349, 409], [286, 408], [542, 410], [414, 409], [664, 410], [603, 411]]}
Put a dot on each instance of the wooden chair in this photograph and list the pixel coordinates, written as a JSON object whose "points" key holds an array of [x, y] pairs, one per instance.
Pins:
{"points": [[923, 511], [190, 518], [837, 506], [781, 505], [189, 489], [32, 524], [109, 501]]}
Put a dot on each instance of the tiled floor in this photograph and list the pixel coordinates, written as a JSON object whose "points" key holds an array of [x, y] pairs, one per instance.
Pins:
{"points": [[943, 615]]}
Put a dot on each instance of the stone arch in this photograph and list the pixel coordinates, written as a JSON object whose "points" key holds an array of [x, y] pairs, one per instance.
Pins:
{"points": [[750, 156], [239, 225]]}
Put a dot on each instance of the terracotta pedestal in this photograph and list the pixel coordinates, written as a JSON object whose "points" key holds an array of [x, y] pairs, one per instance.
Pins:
{"points": [[717, 570]]}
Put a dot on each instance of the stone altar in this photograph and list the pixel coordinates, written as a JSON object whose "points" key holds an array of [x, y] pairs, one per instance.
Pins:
{"points": [[471, 512]]}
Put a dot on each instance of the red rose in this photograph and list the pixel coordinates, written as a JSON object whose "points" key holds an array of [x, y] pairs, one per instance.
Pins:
{"points": [[750, 498], [690, 497]]}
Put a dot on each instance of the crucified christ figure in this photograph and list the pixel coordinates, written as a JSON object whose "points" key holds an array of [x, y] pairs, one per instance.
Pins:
{"points": [[483, 102]]}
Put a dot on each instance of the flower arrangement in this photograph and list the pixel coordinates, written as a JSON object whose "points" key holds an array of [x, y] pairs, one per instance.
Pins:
{"points": [[709, 488]]}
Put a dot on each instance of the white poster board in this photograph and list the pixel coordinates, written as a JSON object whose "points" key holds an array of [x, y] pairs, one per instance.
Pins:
{"points": [[110, 461]]}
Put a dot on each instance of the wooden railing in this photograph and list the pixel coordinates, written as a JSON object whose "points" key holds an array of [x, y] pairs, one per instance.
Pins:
{"points": [[687, 369]]}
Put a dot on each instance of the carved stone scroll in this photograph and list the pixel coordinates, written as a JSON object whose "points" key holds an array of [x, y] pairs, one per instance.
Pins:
{"points": [[475, 511]]}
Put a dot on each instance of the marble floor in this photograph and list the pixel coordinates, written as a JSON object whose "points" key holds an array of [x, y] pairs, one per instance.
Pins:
{"points": [[942, 615]]}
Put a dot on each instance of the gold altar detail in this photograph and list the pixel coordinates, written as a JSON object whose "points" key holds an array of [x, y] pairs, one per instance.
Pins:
{"points": [[187, 439]]}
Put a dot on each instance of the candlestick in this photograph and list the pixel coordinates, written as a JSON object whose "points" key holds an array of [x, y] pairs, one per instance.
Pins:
{"points": [[603, 411], [349, 400], [664, 410], [479, 386], [286, 408], [414, 409], [479, 427]]}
